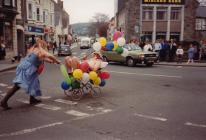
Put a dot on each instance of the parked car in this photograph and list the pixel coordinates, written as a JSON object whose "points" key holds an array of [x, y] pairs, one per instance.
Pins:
{"points": [[64, 50], [85, 43], [135, 55]]}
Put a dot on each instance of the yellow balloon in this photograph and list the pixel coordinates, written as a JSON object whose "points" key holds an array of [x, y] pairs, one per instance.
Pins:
{"points": [[77, 74], [115, 45], [103, 41], [93, 75], [97, 81]]}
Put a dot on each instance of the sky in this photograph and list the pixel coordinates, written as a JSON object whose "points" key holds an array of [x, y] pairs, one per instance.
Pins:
{"points": [[84, 10]]}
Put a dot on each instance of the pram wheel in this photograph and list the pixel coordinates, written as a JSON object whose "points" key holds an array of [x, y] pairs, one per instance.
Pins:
{"points": [[76, 94], [95, 92]]}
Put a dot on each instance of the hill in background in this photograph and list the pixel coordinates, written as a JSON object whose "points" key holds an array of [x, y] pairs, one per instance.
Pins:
{"points": [[81, 29]]}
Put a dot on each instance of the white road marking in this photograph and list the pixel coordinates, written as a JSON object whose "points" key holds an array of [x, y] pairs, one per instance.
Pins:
{"points": [[23, 101], [151, 117], [26, 131], [45, 97], [65, 102], [9, 87], [3, 94], [0, 91], [74, 53], [3, 85], [48, 107], [77, 113], [153, 75], [195, 125]]}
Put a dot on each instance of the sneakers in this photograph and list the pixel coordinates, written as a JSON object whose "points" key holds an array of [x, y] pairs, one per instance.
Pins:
{"points": [[34, 101]]}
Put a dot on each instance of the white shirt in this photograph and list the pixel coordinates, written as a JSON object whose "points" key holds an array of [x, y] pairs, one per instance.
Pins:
{"points": [[157, 46], [179, 52], [147, 47]]}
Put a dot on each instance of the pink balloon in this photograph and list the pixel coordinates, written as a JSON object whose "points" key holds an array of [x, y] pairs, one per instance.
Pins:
{"points": [[117, 35], [104, 75], [84, 67]]}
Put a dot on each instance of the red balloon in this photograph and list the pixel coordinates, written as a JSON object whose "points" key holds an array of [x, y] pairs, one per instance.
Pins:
{"points": [[104, 48], [104, 75], [84, 67], [117, 35], [40, 69]]}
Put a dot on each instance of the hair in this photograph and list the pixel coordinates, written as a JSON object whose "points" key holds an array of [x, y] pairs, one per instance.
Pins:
{"points": [[41, 43]]}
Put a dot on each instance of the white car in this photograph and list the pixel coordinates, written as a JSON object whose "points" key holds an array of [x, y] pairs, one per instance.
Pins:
{"points": [[85, 43]]}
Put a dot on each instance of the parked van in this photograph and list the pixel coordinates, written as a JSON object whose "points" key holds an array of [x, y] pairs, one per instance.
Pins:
{"points": [[85, 43]]}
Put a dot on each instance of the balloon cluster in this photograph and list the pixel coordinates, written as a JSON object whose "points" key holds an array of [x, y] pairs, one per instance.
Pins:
{"points": [[116, 45]]}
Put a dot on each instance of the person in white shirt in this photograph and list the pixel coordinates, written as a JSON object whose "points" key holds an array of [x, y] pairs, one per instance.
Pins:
{"points": [[179, 53], [147, 47]]}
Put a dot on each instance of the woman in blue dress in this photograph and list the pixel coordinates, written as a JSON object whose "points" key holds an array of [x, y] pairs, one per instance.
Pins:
{"points": [[27, 76]]}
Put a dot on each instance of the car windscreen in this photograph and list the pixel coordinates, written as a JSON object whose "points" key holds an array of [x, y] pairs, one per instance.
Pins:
{"points": [[64, 47], [132, 48]]}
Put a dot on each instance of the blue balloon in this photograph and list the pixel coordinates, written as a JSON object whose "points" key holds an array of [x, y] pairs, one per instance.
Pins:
{"points": [[103, 83], [65, 86], [110, 46]]}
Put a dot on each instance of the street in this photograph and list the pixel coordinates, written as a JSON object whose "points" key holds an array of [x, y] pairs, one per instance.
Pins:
{"points": [[137, 103]]}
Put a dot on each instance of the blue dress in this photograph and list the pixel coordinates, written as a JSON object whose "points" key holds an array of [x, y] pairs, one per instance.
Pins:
{"points": [[191, 53], [27, 76]]}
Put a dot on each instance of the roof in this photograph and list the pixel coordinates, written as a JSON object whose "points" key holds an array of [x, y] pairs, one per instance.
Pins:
{"points": [[201, 11]]}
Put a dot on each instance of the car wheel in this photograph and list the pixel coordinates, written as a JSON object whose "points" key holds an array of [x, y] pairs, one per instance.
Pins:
{"points": [[130, 62], [105, 59], [149, 64]]}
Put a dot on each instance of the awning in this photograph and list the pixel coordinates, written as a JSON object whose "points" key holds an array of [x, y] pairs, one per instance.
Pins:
{"points": [[19, 27], [33, 33]]}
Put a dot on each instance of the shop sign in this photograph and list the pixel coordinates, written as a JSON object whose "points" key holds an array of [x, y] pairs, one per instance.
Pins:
{"points": [[178, 2], [35, 29]]}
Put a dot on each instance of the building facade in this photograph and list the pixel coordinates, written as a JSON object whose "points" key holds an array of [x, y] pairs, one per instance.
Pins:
{"points": [[201, 23], [157, 19]]}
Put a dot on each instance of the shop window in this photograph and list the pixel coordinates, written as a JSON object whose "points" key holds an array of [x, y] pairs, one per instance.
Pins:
{"points": [[161, 13], [7, 2], [147, 13], [201, 24], [45, 16], [175, 13]]}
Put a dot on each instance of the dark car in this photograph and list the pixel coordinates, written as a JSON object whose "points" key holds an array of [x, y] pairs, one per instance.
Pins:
{"points": [[64, 50], [135, 55]]}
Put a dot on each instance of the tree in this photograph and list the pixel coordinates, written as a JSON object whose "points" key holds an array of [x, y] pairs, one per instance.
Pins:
{"points": [[99, 24]]}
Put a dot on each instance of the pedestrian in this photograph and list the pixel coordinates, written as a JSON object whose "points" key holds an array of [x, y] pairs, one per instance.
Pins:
{"points": [[147, 46], [157, 48], [179, 53], [191, 52], [54, 47], [202, 48], [2, 50], [27, 73], [172, 50]]}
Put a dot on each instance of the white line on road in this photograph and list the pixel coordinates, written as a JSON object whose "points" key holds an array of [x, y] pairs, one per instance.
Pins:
{"points": [[0, 91], [77, 113], [48, 107], [45, 97], [195, 125], [153, 75], [3, 85], [151, 117], [23, 101], [25, 131], [9, 87], [3, 94], [65, 102]]}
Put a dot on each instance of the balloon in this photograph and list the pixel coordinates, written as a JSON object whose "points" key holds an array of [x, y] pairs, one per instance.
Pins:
{"points": [[84, 67], [103, 41], [104, 75], [65, 86], [117, 35], [104, 48], [93, 75], [115, 45], [119, 50], [65, 74], [97, 81], [121, 41], [97, 46], [77, 74], [125, 52], [75, 84], [85, 78], [40, 69], [103, 83], [110, 46]]}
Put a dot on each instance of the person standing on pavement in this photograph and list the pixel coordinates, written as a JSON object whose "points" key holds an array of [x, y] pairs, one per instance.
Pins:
{"points": [[172, 50], [27, 73], [191, 52], [54, 47], [147, 46], [2, 50], [179, 54], [157, 48]]}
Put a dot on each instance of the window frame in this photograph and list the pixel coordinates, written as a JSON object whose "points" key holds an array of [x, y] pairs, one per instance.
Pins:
{"points": [[162, 9], [147, 10]]}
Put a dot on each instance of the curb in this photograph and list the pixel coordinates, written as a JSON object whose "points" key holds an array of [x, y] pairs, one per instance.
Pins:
{"points": [[183, 65], [8, 68]]}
